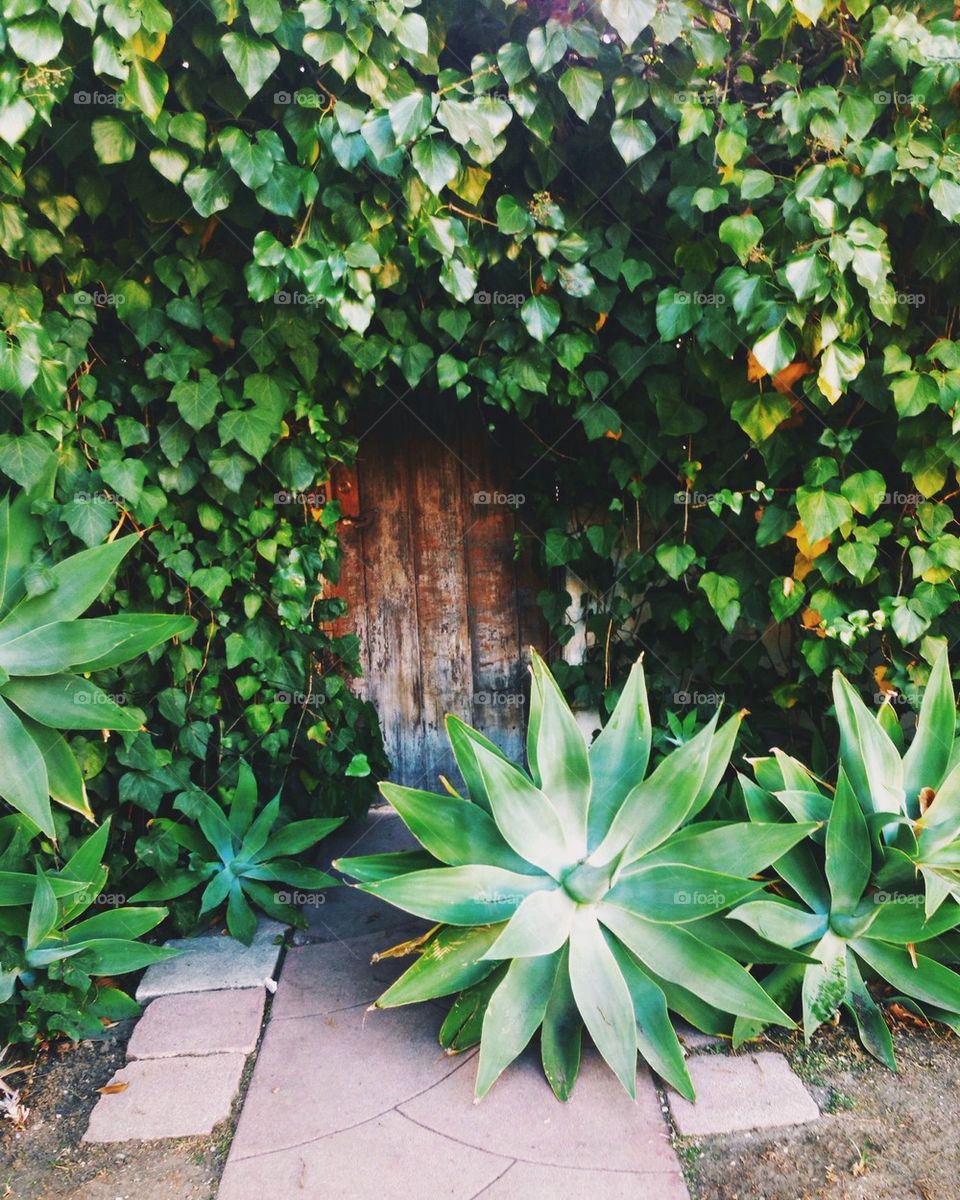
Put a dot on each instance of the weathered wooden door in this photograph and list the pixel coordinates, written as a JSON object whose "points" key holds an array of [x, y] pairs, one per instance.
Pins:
{"points": [[444, 607]]}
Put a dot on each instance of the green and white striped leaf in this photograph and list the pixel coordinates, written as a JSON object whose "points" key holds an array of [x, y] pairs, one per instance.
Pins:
{"points": [[849, 858], [557, 755], [676, 893], [869, 757], [562, 1033], [782, 923]]}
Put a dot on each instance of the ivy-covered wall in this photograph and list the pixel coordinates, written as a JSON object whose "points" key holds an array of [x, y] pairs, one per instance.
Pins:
{"points": [[705, 252]]}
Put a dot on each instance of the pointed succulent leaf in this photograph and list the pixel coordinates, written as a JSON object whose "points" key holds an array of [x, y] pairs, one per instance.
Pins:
{"points": [[678, 956], [619, 754], [525, 816], [562, 1033], [559, 760], [513, 1015], [782, 923], [658, 806], [540, 925], [23, 777], [676, 893], [452, 960], [603, 997], [464, 742], [473, 895], [455, 831], [927, 759], [849, 857], [371, 868], [870, 760], [656, 1037], [873, 1029], [742, 848], [922, 978]]}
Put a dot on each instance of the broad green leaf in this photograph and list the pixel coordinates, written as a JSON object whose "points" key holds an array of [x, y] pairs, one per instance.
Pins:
{"points": [[252, 60], [455, 831], [36, 38], [633, 138], [822, 512], [742, 234], [723, 594], [145, 87], [513, 1015], [474, 895], [619, 754], [23, 781], [775, 350], [583, 88], [629, 17], [539, 926], [436, 163], [825, 984], [453, 959], [920, 977], [603, 998], [541, 315], [742, 848], [112, 141]]}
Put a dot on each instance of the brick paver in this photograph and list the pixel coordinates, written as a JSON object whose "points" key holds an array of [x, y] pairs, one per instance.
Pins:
{"points": [[212, 963], [164, 1098], [743, 1091], [199, 1023]]}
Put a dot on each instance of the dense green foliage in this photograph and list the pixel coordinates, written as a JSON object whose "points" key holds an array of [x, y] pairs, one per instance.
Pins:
{"points": [[228, 232], [234, 853], [54, 967], [588, 894]]}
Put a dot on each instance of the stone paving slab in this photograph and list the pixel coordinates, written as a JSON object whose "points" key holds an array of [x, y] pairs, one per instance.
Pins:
{"points": [[212, 963], [599, 1128], [332, 976], [386, 1158], [165, 1098], [529, 1181], [318, 1075], [743, 1091], [218, 1022]]}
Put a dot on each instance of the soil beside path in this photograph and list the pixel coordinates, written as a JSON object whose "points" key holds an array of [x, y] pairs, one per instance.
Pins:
{"points": [[883, 1136]]}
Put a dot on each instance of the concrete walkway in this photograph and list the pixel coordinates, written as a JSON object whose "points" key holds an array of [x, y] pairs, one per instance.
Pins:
{"points": [[348, 1103]]}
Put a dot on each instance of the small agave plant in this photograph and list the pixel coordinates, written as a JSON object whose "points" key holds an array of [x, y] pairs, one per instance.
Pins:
{"points": [[569, 897], [829, 907]]}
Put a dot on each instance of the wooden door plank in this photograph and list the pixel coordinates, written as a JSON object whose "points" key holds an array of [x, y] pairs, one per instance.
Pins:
{"points": [[499, 692], [392, 656], [440, 569]]}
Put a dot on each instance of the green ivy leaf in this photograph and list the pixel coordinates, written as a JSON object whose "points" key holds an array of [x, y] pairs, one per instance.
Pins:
{"points": [[36, 39], [633, 138], [583, 88], [436, 163], [675, 559], [252, 60], [723, 595], [759, 415], [145, 87], [742, 234], [866, 491], [822, 512], [541, 315], [112, 140]]}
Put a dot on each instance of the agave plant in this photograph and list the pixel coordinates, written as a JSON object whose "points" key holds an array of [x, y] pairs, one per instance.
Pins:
{"points": [[918, 786], [571, 896], [45, 653], [236, 857], [830, 907], [41, 934]]}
